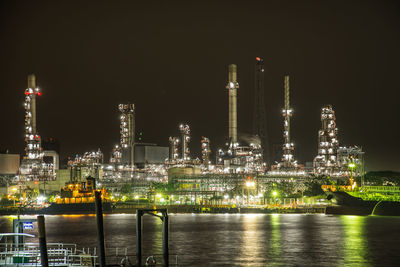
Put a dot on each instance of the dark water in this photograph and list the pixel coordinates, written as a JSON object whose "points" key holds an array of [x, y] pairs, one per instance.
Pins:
{"points": [[243, 239]]}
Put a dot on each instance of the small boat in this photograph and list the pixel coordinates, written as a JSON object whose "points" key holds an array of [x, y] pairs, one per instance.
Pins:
{"points": [[79, 198]]}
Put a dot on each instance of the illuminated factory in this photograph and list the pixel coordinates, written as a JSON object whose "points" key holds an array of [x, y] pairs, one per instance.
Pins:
{"points": [[333, 160], [139, 164]]}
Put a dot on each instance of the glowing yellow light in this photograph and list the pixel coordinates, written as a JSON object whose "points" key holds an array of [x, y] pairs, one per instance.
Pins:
{"points": [[250, 184], [353, 185], [274, 193], [136, 197], [158, 195]]}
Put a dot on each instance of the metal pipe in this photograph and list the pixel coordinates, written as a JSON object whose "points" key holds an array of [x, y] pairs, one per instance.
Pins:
{"points": [[100, 229], [139, 238], [42, 241], [165, 247]]}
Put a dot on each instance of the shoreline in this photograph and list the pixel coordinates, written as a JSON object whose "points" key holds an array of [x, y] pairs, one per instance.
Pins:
{"points": [[185, 209]]}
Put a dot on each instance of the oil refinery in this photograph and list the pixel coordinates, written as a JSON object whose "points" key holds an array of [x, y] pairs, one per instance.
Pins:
{"points": [[234, 166]]}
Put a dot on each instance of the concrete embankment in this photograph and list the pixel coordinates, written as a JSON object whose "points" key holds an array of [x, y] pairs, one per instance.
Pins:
{"points": [[180, 209], [220, 209]]}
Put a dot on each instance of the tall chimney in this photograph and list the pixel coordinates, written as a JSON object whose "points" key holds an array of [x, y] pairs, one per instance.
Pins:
{"points": [[232, 86], [32, 85]]}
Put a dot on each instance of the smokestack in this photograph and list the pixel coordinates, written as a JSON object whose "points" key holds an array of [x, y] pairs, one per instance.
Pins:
{"points": [[32, 81], [232, 86], [32, 85], [287, 107]]}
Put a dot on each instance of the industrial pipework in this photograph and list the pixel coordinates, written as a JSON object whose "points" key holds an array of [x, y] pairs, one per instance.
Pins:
{"points": [[205, 151], [127, 130], [185, 133], [288, 147], [32, 139], [173, 149], [32, 167], [326, 161]]}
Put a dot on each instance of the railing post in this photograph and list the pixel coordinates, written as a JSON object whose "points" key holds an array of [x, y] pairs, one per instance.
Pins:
{"points": [[42, 241], [100, 229], [139, 238], [165, 239]]}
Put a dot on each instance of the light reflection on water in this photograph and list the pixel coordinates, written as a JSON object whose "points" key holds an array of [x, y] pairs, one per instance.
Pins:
{"points": [[354, 246], [242, 239]]}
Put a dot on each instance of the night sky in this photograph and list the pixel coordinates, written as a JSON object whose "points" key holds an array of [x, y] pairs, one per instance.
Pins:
{"points": [[170, 59]]}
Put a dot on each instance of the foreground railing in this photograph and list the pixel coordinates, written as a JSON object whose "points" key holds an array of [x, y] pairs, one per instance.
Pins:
{"points": [[59, 254]]}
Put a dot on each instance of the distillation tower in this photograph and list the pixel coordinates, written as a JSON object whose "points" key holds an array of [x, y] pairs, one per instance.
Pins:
{"points": [[287, 162], [173, 149], [32, 165], [205, 151], [259, 117], [116, 155], [185, 137], [326, 160], [331, 159], [32, 138], [127, 130]]}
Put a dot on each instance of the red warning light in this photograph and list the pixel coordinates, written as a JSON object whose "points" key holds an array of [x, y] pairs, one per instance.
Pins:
{"points": [[27, 93], [258, 59], [39, 93]]}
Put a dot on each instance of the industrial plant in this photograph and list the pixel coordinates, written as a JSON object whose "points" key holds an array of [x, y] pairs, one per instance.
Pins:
{"points": [[232, 168]]}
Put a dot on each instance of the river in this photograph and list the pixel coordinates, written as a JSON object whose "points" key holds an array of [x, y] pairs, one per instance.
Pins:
{"points": [[241, 239]]}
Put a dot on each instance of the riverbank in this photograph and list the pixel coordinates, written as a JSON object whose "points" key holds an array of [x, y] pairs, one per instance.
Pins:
{"points": [[181, 209]]}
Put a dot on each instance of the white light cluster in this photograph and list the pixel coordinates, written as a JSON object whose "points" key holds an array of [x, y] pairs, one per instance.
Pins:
{"points": [[126, 124]]}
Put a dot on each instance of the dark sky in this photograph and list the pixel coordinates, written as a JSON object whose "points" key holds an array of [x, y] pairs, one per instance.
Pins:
{"points": [[170, 59]]}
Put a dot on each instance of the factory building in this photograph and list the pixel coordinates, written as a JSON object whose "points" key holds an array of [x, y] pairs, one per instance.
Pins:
{"points": [[150, 154], [9, 164]]}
